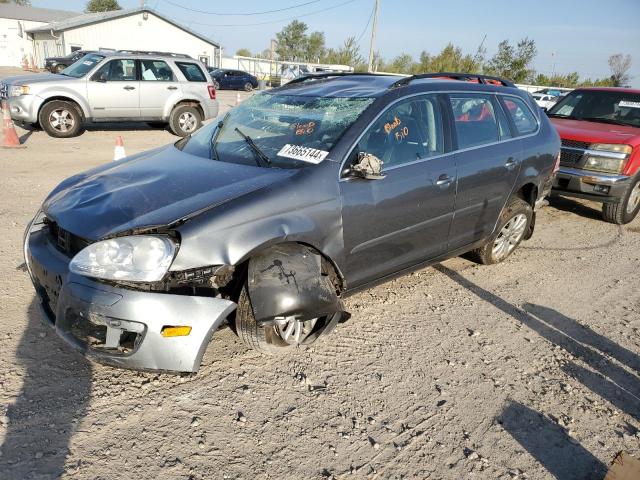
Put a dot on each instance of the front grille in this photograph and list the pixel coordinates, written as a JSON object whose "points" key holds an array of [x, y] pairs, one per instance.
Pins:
{"points": [[572, 151], [65, 241], [575, 144]]}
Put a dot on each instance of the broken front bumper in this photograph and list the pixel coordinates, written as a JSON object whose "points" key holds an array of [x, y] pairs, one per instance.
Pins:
{"points": [[119, 326]]}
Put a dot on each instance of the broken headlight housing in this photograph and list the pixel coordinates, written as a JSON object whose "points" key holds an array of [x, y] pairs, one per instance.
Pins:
{"points": [[137, 258], [606, 157]]}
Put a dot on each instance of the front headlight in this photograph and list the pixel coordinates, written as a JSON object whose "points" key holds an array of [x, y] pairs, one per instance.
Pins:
{"points": [[612, 159], [17, 90], [138, 258]]}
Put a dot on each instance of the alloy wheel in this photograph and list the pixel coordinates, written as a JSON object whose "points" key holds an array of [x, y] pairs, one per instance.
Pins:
{"points": [[509, 236], [634, 198], [294, 332], [187, 122], [62, 120]]}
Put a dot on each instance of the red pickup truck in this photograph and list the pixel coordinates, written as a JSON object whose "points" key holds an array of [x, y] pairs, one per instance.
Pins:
{"points": [[600, 158]]}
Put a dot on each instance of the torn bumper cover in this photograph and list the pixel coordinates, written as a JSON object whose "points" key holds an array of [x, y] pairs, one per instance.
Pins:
{"points": [[288, 282], [118, 326]]}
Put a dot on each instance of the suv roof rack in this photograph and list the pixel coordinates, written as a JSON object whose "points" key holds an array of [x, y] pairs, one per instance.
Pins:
{"points": [[159, 54], [315, 76], [466, 77]]}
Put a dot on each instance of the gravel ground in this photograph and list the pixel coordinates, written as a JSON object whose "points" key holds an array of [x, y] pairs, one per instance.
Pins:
{"points": [[528, 369]]}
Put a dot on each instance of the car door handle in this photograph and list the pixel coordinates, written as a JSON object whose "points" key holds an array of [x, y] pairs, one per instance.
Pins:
{"points": [[444, 180], [510, 164], [172, 88], [129, 87]]}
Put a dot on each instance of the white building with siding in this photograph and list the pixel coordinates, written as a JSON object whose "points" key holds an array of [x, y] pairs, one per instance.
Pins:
{"points": [[15, 20], [134, 29]]}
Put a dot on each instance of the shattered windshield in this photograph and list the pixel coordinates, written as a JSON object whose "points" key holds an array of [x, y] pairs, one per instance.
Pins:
{"points": [[604, 106], [279, 130]]}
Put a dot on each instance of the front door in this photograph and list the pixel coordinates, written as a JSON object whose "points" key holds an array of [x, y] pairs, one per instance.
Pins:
{"points": [[403, 219], [488, 162], [114, 90]]}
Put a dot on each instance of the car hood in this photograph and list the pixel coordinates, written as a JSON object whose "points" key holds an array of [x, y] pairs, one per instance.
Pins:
{"points": [[594, 132], [153, 189], [37, 78]]}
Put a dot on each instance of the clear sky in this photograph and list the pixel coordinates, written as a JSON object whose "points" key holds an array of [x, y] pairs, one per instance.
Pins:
{"points": [[571, 35]]}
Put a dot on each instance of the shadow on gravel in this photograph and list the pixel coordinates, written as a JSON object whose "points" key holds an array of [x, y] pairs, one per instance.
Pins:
{"points": [[53, 400], [549, 444], [568, 205]]}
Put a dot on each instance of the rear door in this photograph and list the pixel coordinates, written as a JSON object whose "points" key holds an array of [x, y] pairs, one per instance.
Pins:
{"points": [[157, 84], [488, 160], [114, 90], [404, 218]]}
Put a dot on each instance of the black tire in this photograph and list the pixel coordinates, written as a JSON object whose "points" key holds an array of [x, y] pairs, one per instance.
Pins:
{"points": [[248, 87], [184, 120], [624, 211], [513, 210], [67, 123]]}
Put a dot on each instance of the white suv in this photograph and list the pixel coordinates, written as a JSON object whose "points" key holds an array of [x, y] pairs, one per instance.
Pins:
{"points": [[113, 87]]}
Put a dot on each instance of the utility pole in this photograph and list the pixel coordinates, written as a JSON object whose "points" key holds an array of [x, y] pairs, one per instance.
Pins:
{"points": [[372, 45]]}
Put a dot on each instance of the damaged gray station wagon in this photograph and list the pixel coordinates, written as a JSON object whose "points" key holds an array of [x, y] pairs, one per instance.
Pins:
{"points": [[265, 219]]}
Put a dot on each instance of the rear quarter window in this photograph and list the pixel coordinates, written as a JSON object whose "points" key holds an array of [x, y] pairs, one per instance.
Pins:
{"points": [[192, 72], [475, 120], [523, 118]]}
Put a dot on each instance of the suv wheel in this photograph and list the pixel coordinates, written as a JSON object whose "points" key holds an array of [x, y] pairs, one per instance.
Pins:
{"points": [[248, 87], [184, 120], [514, 223], [61, 119], [627, 208]]}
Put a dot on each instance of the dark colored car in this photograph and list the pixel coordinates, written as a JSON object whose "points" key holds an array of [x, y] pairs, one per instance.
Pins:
{"points": [[600, 161], [267, 218], [57, 64], [233, 79]]}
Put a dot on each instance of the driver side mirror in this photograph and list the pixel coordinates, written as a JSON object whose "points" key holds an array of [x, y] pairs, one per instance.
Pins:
{"points": [[101, 77], [367, 166]]}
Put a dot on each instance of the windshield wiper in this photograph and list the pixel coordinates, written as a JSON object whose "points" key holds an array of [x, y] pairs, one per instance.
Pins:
{"points": [[605, 120], [260, 154], [568, 117]]}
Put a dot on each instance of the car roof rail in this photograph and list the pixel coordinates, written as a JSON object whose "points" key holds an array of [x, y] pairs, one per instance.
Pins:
{"points": [[318, 76], [157, 54], [465, 77]]}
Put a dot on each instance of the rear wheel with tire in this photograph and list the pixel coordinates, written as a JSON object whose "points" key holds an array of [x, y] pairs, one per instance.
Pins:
{"points": [[281, 335], [627, 208], [184, 120], [248, 87], [513, 225], [61, 119]]}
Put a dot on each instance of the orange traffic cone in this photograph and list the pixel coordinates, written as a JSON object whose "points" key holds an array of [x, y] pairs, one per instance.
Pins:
{"points": [[9, 135], [118, 151], [33, 65], [238, 99]]}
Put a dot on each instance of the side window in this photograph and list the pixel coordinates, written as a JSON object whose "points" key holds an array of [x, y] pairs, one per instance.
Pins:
{"points": [[503, 124], [117, 71], [475, 120], [192, 72], [156, 70], [407, 131], [521, 114]]}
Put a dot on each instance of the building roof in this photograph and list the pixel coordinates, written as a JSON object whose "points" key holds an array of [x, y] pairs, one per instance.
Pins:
{"points": [[91, 18], [18, 12]]}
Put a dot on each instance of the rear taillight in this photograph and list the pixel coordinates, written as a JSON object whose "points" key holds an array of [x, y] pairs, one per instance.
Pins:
{"points": [[212, 92], [557, 165]]}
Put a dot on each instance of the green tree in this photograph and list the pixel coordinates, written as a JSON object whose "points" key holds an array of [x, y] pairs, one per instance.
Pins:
{"points": [[94, 6], [315, 47], [514, 62], [347, 54], [244, 52], [24, 3], [292, 41], [620, 65]]}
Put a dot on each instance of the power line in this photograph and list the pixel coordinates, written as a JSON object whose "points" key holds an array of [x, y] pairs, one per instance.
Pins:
{"points": [[367, 25], [240, 14], [265, 23]]}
